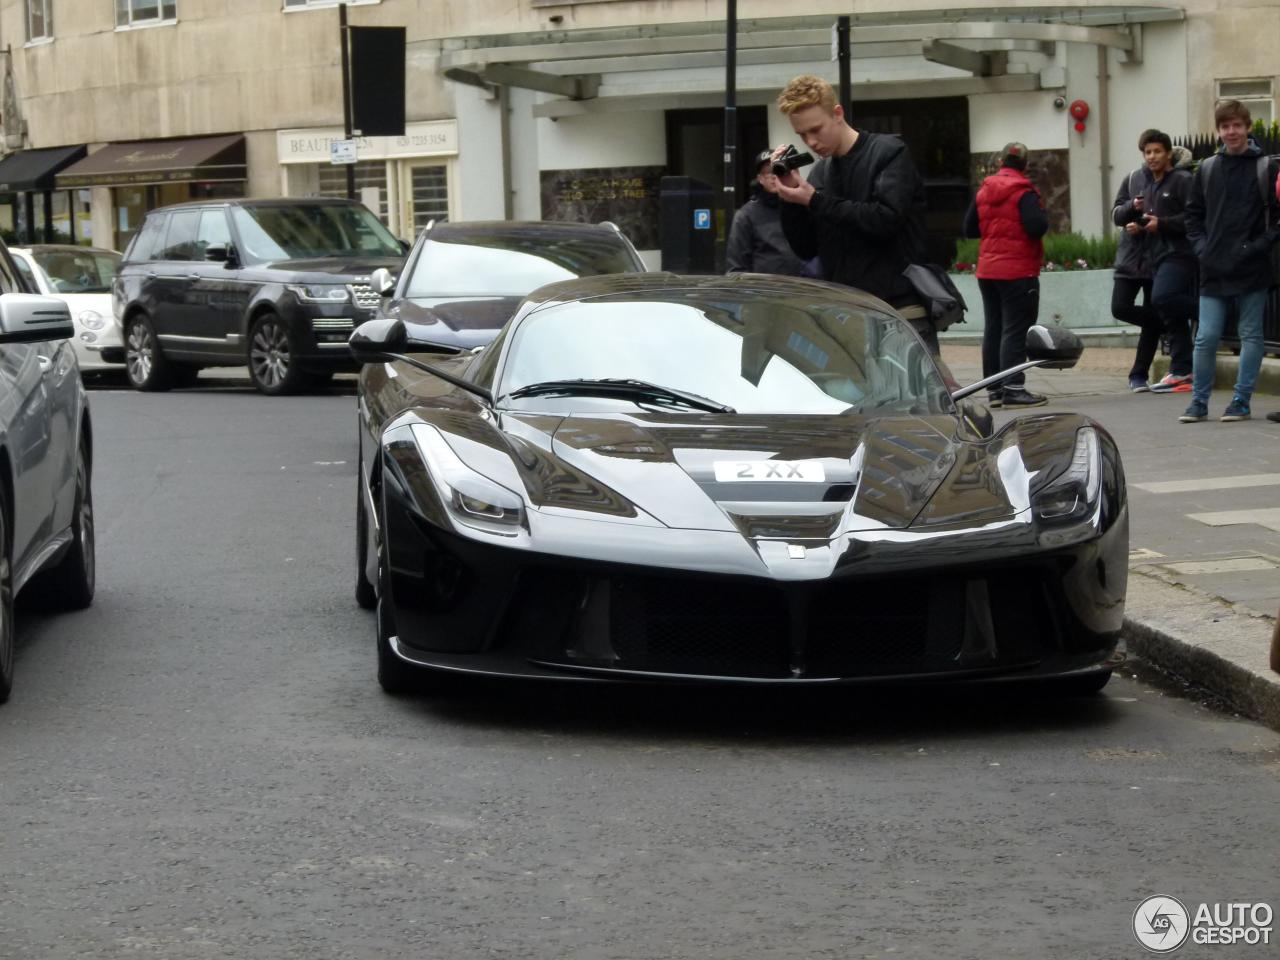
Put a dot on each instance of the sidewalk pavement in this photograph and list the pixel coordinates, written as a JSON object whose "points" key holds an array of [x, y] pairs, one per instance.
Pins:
{"points": [[1200, 629]]}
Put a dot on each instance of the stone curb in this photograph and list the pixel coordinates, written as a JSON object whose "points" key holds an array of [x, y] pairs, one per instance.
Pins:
{"points": [[1221, 647], [1224, 376]]}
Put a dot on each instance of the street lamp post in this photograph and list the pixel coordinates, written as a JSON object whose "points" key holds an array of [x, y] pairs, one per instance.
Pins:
{"points": [[730, 117]]}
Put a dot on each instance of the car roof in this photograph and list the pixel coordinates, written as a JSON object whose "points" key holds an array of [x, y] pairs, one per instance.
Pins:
{"points": [[547, 229], [258, 202], [735, 287]]}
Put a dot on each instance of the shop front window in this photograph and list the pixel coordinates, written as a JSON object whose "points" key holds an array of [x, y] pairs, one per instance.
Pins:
{"points": [[131, 204], [369, 173]]}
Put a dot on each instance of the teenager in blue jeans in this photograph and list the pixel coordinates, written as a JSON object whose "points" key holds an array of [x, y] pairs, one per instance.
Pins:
{"points": [[1231, 223]]}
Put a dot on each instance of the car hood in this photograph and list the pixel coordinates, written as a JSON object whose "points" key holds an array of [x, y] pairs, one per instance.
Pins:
{"points": [[807, 477], [332, 269]]}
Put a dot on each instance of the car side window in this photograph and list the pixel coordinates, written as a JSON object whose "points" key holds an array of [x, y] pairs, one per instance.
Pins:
{"points": [[147, 242], [213, 231], [180, 238], [24, 269], [10, 280]]}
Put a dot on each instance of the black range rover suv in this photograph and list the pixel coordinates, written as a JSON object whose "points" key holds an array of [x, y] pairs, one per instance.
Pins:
{"points": [[276, 284]]}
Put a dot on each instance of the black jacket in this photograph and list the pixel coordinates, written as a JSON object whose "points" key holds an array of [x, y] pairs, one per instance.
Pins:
{"points": [[866, 222], [1232, 218], [1133, 253], [756, 241], [1138, 256]]}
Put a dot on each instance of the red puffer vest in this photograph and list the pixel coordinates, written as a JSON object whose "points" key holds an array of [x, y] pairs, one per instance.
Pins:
{"points": [[1006, 252]]}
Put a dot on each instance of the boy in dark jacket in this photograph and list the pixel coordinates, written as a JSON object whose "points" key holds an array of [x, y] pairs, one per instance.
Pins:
{"points": [[862, 209], [1155, 242], [1231, 223], [756, 241]]}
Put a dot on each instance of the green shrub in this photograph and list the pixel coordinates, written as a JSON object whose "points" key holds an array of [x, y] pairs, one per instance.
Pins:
{"points": [[1062, 251]]}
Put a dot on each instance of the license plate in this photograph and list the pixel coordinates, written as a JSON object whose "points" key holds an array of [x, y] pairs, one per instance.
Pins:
{"points": [[770, 471]]}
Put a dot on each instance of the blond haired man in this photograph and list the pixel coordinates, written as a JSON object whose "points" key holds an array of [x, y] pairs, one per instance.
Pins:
{"points": [[862, 209]]}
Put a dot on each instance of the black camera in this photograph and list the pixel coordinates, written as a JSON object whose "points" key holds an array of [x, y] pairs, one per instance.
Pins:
{"points": [[791, 159]]}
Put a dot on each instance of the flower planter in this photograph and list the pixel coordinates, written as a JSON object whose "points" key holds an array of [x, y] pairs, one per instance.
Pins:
{"points": [[1080, 299]]}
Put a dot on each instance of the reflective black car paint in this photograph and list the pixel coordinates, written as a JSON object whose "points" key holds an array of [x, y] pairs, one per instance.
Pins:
{"points": [[918, 556]]}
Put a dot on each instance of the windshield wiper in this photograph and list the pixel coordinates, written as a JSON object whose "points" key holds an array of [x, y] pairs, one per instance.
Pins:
{"points": [[629, 389]]}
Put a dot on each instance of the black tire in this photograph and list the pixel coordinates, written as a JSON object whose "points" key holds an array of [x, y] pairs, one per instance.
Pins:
{"points": [[396, 677], [366, 595], [144, 363], [272, 351], [6, 603], [70, 584]]}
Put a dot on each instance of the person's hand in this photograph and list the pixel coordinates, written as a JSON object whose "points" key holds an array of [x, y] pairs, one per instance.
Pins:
{"points": [[1152, 224], [1137, 203], [794, 190], [1132, 228]]}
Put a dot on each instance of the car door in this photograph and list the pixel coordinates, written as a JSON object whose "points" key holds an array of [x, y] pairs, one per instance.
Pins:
{"points": [[216, 296], [175, 316]]}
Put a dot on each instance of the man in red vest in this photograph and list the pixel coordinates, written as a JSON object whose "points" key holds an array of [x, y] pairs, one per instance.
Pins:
{"points": [[1010, 219]]}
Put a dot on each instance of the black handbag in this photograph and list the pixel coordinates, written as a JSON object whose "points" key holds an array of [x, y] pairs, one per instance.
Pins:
{"points": [[938, 294]]}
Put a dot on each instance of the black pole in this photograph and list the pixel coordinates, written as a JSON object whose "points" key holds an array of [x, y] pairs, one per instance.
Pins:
{"points": [[71, 220], [842, 56], [730, 195], [346, 96]]}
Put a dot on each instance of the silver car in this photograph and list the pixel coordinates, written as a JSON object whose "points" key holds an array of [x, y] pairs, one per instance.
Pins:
{"points": [[46, 457]]}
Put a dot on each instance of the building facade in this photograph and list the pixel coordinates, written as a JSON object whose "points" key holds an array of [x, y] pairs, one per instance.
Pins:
{"points": [[559, 110]]}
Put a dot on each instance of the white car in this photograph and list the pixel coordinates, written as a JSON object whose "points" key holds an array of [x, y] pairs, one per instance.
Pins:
{"points": [[80, 276]]}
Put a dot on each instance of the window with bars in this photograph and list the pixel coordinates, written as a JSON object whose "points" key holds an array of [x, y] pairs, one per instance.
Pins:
{"points": [[1255, 93], [39, 19], [133, 13], [430, 195]]}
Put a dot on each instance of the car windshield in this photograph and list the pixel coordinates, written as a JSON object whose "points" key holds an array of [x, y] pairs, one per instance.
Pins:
{"points": [[78, 271], [757, 355], [305, 230], [512, 266]]}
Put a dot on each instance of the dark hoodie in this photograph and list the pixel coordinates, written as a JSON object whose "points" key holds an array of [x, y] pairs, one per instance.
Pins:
{"points": [[1228, 223], [756, 241]]}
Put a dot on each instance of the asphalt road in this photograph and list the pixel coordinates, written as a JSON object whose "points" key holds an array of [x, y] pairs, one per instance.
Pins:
{"points": [[202, 765]]}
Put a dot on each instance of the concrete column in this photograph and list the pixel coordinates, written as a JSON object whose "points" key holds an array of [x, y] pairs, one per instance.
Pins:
{"points": [[102, 217], [1086, 150], [526, 163], [480, 184]]}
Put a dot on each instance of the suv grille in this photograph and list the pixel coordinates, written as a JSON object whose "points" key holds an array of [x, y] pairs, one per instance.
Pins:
{"points": [[364, 296]]}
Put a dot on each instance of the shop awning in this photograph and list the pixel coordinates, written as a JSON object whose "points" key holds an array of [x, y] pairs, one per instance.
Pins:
{"points": [[31, 171], [159, 161]]}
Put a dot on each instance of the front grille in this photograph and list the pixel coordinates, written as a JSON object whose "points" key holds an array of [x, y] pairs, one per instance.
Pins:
{"points": [[702, 627], [876, 629], [364, 296], [334, 324]]}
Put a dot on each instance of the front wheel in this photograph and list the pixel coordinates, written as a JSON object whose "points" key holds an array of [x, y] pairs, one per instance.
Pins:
{"points": [[70, 585], [273, 365], [144, 363], [366, 595]]}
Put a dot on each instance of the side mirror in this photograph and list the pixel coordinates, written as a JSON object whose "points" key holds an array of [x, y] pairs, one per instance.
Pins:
{"points": [[383, 283], [376, 341], [1057, 348], [29, 318]]}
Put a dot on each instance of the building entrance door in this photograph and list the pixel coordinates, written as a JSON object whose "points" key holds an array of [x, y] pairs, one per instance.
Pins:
{"points": [[936, 131], [424, 195]]}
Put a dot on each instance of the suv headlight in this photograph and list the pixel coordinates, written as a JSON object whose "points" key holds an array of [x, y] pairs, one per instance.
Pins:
{"points": [[1073, 493], [319, 292], [471, 498]]}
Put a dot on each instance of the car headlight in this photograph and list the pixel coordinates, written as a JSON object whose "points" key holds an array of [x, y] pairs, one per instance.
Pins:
{"points": [[1074, 492], [471, 498], [91, 319], [319, 292]]}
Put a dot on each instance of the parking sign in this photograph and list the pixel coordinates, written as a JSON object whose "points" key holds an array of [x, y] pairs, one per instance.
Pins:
{"points": [[702, 219]]}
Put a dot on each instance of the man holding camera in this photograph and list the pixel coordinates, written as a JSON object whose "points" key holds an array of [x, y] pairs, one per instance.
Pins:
{"points": [[756, 243], [861, 212]]}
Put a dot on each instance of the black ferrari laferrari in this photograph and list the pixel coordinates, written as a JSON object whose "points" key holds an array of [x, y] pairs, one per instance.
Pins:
{"points": [[660, 478]]}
